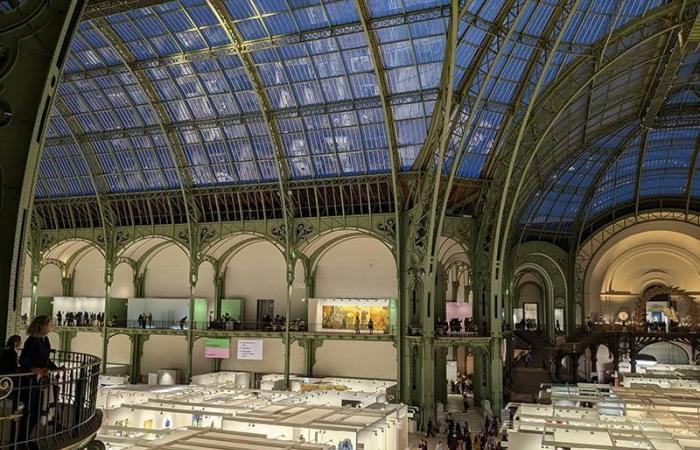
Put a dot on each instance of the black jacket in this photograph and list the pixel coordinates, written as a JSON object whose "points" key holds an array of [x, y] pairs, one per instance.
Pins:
{"points": [[36, 354], [8, 361]]}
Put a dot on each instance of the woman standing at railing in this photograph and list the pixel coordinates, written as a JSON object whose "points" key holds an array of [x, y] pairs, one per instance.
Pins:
{"points": [[35, 358]]}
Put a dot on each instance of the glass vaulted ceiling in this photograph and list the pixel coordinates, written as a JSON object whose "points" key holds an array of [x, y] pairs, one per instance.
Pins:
{"points": [[314, 61]]}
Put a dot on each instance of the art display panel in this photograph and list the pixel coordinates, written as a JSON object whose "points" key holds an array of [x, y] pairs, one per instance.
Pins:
{"points": [[342, 317]]}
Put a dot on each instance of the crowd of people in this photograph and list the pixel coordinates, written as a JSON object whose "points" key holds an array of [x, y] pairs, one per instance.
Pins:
{"points": [[460, 437], [443, 327], [79, 319], [145, 320]]}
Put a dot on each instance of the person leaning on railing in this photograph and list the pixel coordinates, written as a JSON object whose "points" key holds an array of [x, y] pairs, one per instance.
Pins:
{"points": [[35, 359]]}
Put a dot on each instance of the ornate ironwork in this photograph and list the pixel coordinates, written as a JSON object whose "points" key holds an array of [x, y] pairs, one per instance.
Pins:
{"points": [[6, 387], [388, 228]]}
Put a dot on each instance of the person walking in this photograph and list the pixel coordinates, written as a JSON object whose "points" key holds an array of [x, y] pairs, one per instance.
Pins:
{"points": [[429, 433], [357, 324], [370, 326], [150, 320]]}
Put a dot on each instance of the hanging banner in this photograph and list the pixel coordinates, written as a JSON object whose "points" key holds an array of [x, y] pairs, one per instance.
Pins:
{"points": [[250, 349]]}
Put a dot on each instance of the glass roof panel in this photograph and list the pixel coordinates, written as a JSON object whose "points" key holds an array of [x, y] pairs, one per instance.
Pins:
{"points": [[666, 163]]}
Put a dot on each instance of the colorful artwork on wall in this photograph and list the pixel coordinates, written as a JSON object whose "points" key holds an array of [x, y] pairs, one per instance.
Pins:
{"points": [[342, 317]]}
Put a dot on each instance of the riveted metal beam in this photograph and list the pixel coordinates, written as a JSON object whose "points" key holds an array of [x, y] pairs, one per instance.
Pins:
{"points": [[172, 139], [283, 176], [691, 175], [640, 164], [495, 33], [626, 51], [678, 46]]}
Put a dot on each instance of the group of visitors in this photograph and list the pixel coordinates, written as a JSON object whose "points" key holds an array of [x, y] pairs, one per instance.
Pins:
{"points": [[527, 324], [80, 319], [358, 323], [34, 360], [145, 320], [459, 437], [443, 327]]}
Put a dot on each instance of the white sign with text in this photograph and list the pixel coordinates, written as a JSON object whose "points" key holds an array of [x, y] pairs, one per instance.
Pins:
{"points": [[250, 349]]}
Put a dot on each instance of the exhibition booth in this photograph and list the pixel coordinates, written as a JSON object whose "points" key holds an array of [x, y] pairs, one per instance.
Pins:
{"points": [[167, 312], [344, 315], [537, 427], [193, 438], [344, 416], [275, 381], [351, 428]]}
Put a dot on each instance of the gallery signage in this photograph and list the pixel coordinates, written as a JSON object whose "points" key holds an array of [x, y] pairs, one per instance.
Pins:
{"points": [[250, 349], [217, 348]]}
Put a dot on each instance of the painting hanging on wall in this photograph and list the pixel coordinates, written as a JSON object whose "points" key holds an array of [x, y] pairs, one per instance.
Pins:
{"points": [[342, 317]]}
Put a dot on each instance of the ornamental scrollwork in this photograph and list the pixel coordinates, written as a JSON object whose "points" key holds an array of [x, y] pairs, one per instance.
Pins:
{"points": [[280, 232], [388, 228], [117, 238], [303, 231], [6, 387]]}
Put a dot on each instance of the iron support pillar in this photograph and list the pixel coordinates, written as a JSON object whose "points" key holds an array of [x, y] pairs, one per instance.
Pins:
{"points": [[190, 329], [137, 342], [291, 265]]}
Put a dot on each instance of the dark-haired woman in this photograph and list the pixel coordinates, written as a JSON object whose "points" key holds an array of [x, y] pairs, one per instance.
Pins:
{"points": [[35, 358]]}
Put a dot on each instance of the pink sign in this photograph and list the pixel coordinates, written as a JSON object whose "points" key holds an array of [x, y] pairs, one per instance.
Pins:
{"points": [[216, 352]]}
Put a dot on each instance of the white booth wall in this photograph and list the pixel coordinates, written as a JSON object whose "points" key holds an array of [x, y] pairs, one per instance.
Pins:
{"points": [[358, 359], [163, 309], [78, 304], [273, 358], [361, 267], [89, 275]]}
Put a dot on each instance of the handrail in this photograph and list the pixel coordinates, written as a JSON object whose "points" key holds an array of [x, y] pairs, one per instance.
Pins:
{"points": [[55, 411]]}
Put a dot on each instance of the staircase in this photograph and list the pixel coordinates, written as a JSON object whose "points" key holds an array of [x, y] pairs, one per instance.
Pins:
{"points": [[527, 380], [473, 415]]}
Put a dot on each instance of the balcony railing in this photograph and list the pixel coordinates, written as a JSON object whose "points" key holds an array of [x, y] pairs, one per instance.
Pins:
{"points": [[57, 411]]}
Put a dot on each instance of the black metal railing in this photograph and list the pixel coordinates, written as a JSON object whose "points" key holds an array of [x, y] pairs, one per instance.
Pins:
{"points": [[54, 411]]}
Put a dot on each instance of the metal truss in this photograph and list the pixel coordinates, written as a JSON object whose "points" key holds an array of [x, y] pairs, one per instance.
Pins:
{"points": [[556, 101], [237, 119], [172, 139], [342, 196]]}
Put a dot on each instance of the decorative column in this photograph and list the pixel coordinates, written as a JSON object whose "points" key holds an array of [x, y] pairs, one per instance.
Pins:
{"points": [[219, 289], [309, 289], [137, 342], [67, 285], [109, 277], [291, 263], [139, 281], [190, 329], [310, 345], [65, 339]]}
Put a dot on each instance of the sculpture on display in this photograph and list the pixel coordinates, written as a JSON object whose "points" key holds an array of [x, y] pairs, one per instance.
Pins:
{"points": [[345, 444], [691, 318]]}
